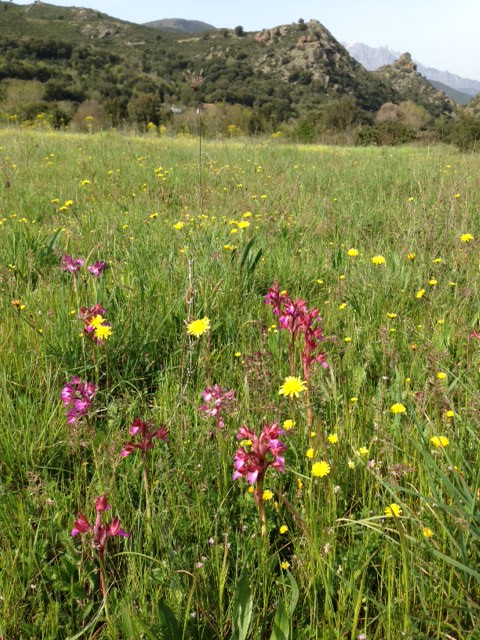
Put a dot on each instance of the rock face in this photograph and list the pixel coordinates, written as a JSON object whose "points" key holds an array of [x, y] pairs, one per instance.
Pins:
{"points": [[411, 85], [308, 54]]}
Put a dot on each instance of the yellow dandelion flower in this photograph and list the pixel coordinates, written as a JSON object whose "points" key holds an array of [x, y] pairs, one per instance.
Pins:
{"points": [[398, 407], [288, 424], [283, 529], [102, 332], [267, 494], [352, 252], [466, 237], [420, 293], [332, 438], [427, 532], [96, 321], [439, 441], [292, 387], [450, 414], [310, 453], [393, 510], [432, 282], [342, 306], [320, 469], [441, 375], [392, 315], [244, 224], [378, 260], [411, 256], [347, 339], [363, 451], [178, 225], [198, 327]]}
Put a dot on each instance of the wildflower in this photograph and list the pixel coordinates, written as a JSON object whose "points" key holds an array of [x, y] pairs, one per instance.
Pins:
{"points": [[420, 293], [378, 260], [243, 224], [103, 332], [351, 464], [288, 424], [393, 510], [266, 450], [94, 319], [347, 339], [267, 494], [427, 532], [285, 565], [100, 532], [198, 327], [310, 453], [432, 282], [363, 451], [332, 438], [217, 401], [450, 414], [147, 432], [283, 529], [352, 252], [411, 256], [292, 386], [77, 397], [178, 225], [342, 306], [97, 268], [320, 469], [73, 265], [466, 237], [439, 441], [398, 407], [392, 315]]}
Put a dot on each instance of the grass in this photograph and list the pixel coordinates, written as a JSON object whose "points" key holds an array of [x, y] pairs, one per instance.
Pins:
{"points": [[332, 564]]}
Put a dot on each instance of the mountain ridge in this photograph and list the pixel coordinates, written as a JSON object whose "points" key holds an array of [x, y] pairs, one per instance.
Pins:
{"points": [[374, 57]]}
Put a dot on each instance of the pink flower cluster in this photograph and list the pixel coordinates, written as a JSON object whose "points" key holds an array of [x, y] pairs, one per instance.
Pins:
{"points": [[299, 321], [218, 401], [77, 397], [73, 266], [147, 433], [251, 461], [100, 532]]}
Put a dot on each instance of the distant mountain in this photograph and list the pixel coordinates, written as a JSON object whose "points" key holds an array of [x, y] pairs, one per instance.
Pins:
{"points": [[374, 57], [178, 24]]}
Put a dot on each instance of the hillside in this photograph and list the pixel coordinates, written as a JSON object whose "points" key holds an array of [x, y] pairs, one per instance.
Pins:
{"points": [[74, 65], [411, 85], [80, 54], [178, 24]]}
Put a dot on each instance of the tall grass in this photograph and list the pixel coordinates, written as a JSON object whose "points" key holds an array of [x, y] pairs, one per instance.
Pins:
{"points": [[333, 564]]}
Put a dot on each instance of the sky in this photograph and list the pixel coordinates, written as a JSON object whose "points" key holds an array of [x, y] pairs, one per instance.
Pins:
{"points": [[443, 34]]}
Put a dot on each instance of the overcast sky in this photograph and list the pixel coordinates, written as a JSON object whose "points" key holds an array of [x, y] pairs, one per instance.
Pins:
{"points": [[444, 34]]}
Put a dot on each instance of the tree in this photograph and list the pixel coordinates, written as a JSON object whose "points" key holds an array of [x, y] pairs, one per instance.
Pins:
{"points": [[239, 31]]}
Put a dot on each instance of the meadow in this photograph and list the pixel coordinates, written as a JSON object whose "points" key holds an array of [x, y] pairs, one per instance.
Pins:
{"points": [[239, 391]]}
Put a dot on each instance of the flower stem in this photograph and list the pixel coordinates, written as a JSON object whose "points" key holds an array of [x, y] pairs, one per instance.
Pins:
{"points": [[261, 506]]}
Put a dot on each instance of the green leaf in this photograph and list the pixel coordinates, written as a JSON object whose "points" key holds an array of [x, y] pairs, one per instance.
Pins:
{"points": [[281, 623], [242, 610], [168, 625]]}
